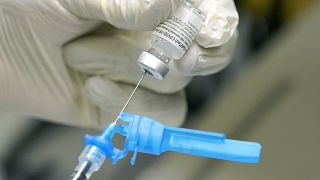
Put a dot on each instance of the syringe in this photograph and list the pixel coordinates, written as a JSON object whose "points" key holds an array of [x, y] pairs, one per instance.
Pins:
{"points": [[170, 40], [91, 157], [146, 135]]}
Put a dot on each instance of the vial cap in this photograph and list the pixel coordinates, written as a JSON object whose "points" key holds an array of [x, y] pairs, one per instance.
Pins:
{"points": [[153, 65]]}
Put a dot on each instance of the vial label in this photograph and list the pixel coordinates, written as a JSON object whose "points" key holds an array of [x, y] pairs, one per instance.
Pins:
{"points": [[181, 29]]}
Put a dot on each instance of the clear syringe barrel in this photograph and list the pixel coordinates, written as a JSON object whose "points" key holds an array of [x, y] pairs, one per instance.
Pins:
{"points": [[90, 161], [171, 39]]}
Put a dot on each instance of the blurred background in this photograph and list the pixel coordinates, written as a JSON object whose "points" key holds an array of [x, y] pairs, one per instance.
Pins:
{"points": [[270, 93]]}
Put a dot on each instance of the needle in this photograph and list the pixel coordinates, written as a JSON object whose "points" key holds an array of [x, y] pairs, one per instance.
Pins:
{"points": [[133, 92], [81, 173]]}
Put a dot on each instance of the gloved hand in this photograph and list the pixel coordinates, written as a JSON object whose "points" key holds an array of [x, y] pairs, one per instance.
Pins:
{"points": [[100, 40]]}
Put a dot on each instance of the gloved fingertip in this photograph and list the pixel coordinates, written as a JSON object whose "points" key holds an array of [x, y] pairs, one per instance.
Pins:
{"points": [[220, 25], [204, 65], [93, 89], [202, 61], [210, 65], [100, 90]]}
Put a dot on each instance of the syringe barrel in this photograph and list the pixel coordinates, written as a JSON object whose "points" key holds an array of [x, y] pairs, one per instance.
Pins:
{"points": [[93, 155]]}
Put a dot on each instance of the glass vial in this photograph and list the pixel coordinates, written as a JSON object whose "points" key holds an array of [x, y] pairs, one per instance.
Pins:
{"points": [[171, 39]]}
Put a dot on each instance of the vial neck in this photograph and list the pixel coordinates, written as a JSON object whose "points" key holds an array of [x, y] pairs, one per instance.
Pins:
{"points": [[159, 54]]}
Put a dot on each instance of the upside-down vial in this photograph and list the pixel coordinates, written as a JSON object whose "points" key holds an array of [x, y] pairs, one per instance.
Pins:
{"points": [[171, 39]]}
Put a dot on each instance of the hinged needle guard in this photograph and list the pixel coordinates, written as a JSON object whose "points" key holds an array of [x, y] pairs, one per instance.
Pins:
{"points": [[146, 135]]}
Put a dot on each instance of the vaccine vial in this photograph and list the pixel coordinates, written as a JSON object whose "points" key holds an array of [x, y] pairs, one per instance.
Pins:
{"points": [[171, 39]]}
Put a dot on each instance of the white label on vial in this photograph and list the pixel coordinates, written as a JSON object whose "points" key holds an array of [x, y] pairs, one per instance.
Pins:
{"points": [[181, 29]]}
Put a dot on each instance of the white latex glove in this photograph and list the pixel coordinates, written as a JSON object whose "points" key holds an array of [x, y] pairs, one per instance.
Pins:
{"points": [[35, 80]]}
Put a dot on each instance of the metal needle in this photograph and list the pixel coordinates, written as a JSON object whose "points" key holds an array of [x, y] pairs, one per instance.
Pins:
{"points": [[133, 92], [80, 174]]}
